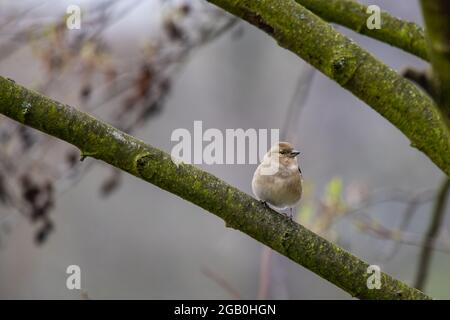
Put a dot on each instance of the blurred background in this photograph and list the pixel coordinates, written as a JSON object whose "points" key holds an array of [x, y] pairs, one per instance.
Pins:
{"points": [[150, 67]]}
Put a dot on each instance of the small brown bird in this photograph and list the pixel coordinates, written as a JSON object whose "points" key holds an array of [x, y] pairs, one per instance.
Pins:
{"points": [[278, 179]]}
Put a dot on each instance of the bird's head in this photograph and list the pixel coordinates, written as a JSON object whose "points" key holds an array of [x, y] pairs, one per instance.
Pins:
{"points": [[283, 150]]}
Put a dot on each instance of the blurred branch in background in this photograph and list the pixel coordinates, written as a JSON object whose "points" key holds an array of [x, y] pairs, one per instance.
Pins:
{"points": [[239, 211], [269, 269], [437, 218], [126, 94], [437, 21], [223, 283], [322, 214]]}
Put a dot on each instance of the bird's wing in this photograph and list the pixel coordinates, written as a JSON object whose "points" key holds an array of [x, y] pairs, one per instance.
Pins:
{"points": [[300, 170]]}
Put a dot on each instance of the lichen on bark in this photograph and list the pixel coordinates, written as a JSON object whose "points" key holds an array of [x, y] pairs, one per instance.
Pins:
{"points": [[405, 35]]}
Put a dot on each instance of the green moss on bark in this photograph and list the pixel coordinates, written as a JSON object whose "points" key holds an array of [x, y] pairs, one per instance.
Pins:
{"points": [[349, 13]]}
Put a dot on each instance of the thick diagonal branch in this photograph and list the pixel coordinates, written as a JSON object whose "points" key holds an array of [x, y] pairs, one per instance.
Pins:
{"points": [[398, 100], [239, 211], [350, 13]]}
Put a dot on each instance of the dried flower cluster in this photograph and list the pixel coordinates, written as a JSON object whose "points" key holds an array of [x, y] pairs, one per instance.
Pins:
{"points": [[126, 95]]}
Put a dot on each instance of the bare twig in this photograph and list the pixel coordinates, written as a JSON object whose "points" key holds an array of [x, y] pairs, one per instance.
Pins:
{"points": [[224, 284], [409, 212], [376, 229], [433, 229], [264, 273]]}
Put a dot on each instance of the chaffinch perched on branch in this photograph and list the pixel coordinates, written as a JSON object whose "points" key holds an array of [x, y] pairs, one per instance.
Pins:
{"points": [[278, 179]]}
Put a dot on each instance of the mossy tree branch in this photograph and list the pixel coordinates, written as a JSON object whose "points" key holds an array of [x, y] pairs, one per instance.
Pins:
{"points": [[349, 13], [239, 211], [437, 22], [398, 100]]}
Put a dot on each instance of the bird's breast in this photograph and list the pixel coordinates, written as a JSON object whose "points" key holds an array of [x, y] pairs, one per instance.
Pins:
{"points": [[282, 189]]}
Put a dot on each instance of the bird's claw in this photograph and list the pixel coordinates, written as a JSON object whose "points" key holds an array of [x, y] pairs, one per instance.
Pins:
{"points": [[290, 214]]}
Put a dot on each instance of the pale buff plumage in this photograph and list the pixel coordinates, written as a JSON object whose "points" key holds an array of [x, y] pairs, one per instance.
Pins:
{"points": [[283, 187]]}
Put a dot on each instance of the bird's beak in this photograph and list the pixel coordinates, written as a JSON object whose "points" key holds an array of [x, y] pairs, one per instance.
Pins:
{"points": [[294, 153]]}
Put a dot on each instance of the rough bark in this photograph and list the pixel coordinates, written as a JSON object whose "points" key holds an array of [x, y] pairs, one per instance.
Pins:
{"points": [[349, 13]]}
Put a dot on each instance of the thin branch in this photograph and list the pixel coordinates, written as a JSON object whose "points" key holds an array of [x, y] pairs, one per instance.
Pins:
{"points": [[297, 104], [374, 228], [408, 214], [437, 218], [239, 211], [222, 282], [264, 273], [349, 13], [407, 107], [377, 199]]}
